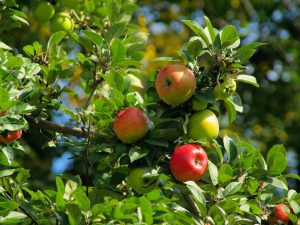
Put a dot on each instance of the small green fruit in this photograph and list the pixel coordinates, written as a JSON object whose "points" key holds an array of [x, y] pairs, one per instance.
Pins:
{"points": [[61, 22], [44, 12], [198, 105], [143, 179], [225, 89]]}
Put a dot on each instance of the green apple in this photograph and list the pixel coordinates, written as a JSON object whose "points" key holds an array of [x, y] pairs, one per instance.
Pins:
{"points": [[224, 89], [175, 84], [71, 4], [198, 105], [44, 12], [61, 22], [143, 179], [203, 125]]}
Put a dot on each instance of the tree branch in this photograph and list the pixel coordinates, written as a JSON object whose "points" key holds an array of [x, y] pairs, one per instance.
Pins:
{"points": [[59, 128]]}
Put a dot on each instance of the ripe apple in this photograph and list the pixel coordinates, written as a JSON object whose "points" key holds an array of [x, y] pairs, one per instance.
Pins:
{"points": [[44, 11], [3, 112], [131, 125], [10, 137], [72, 4], [280, 213], [224, 89], [143, 179], [203, 125], [188, 162], [198, 105], [61, 22], [175, 84]]}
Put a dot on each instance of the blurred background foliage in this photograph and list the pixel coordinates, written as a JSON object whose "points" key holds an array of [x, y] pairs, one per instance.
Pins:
{"points": [[272, 112]]}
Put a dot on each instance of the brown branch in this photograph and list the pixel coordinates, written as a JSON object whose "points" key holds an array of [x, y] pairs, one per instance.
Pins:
{"points": [[59, 128]]}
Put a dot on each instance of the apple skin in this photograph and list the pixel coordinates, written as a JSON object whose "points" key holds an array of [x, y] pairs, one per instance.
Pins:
{"points": [[131, 125], [44, 12], [61, 22], [198, 105], [3, 112], [203, 125], [280, 213], [175, 84], [140, 182], [11, 137], [188, 162]]}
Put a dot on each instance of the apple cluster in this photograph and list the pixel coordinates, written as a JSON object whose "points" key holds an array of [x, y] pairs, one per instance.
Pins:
{"points": [[60, 21]]}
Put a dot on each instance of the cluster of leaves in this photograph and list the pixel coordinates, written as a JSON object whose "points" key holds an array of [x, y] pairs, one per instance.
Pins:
{"points": [[240, 186]]}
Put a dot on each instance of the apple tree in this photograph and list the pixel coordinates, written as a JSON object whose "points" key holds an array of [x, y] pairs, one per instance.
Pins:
{"points": [[146, 148]]}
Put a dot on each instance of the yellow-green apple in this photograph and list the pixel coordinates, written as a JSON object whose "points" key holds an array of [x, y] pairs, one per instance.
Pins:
{"points": [[198, 105], [188, 162], [175, 84], [61, 21], [143, 179], [44, 11], [10, 137], [203, 125], [131, 125], [224, 89]]}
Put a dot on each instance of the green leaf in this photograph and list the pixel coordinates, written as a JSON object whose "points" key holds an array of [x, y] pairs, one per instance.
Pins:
{"points": [[275, 182], [13, 217], [157, 142], [230, 147], [93, 37], [205, 95], [4, 95], [237, 102], [229, 37], [4, 46], [136, 153], [9, 155], [232, 188], [5, 173], [198, 30], [225, 174], [213, 172], [247, 79], [55, 39], [277, 164], [197, 193], [230, 110], [118, 51], [210, 29], [194, 47], [82, 199], [165, 59]]}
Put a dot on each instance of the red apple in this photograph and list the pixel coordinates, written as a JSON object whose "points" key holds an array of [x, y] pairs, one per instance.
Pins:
{"points": [[131, 125], [3, 112], [188, 162], [280, 213], [11, 137], [175, 84]]}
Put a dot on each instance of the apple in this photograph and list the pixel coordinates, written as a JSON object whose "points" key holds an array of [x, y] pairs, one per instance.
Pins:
{"points": [[198, 105], [224, 89], [72, 4], [143, 179], [44, 11], [175, 84], [131, 125], [281, 213], [203, 125], [10, 137], [61, 22], [188, 162], [3, 112]]}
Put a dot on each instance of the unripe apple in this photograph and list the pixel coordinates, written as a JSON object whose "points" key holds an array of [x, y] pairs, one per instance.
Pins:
{"points": [[188, 162], [143, 179], [225, 89], [175, 84], [131, 125], [203, 125], [11, 137], [198, 105], [280, 213], [61, 22], [44, 12], [71, 4]]}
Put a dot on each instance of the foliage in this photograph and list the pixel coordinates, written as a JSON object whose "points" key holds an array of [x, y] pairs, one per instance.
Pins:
{"points": [[240, 185]]}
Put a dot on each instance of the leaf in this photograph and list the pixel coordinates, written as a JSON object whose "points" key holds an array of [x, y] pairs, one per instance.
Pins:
{"points": [[13, 217], [4, 95], [210, 29], [9, 154], [244, 53], [213, 172], [229, 36], [205, 95], [94, 37], [232, 188], [118, 51], [230, 148], [157, 142], [194, 47], [237, 102], [197, 192], [275, 182], [197, 29], [165, 59], [137, 153], [53, 42], [225, 174], [5, 173], [4, 46], [247, 79], [230, 110], [277, 164]]}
